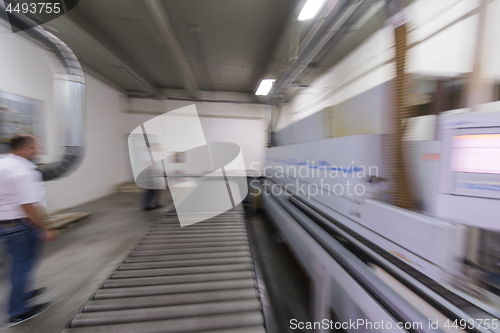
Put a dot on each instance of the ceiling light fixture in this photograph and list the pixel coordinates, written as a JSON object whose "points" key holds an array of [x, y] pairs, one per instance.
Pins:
{"points": [[264, 87], [310, 9]]}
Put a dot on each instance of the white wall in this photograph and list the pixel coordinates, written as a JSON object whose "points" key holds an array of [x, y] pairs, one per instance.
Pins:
{"points": [[25, 72], [250, 135], [441, 50], [442, 44], [361, 70], [491, 69], [240, 123]]}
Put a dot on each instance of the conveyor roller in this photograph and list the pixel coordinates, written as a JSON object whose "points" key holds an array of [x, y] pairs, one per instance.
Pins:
{"points": [[198, 278]]}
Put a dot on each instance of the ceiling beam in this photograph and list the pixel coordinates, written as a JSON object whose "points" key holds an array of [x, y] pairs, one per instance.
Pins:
{"points": [[167, 32], [325, 27], [107, 49]]}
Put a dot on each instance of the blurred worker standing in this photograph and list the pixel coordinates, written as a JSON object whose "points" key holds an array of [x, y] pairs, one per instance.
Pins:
{"points": [[21, 228], [155, 177]]}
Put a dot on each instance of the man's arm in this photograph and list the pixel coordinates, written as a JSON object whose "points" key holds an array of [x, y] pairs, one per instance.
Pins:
{"points": [[29, 198], [35, 213]]}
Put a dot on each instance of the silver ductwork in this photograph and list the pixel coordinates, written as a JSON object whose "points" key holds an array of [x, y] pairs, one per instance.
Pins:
{"points": [[69, 92], [336, 20]]}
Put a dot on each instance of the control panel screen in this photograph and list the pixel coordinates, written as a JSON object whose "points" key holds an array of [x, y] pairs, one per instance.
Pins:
{"points": [[476, 153]]}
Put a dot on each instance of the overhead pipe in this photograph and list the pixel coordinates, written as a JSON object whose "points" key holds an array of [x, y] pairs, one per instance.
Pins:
{"points": [[327, 18], [335, 21], [167, 32], [69, 92]]}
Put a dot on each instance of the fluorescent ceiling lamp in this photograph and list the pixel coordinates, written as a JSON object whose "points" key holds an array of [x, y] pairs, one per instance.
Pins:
{"points": [[310, 9], [264, 87]]}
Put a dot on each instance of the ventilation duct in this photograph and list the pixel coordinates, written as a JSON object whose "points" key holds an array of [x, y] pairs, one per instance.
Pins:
{"points": [[69, 91]]}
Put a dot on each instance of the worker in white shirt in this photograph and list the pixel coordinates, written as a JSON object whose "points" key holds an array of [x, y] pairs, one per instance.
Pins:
{"points": [[21, 227], [154, 177]]}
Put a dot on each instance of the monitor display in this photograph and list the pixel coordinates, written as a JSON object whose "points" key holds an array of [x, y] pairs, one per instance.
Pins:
{"points": [[476, 153]]}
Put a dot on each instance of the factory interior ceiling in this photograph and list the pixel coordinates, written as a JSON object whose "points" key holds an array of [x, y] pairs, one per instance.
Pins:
{"points": [[156, 48]]}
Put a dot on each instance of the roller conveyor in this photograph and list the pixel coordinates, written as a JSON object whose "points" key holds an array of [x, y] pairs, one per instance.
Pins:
{"points": [[201, 240], [199, 278]]}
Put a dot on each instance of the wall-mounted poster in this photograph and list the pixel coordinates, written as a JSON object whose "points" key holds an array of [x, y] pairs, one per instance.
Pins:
{"points": [[18, 115]]}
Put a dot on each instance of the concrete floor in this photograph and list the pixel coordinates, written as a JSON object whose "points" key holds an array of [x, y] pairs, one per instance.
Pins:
{"points": [[77, 264], [286, 295]]}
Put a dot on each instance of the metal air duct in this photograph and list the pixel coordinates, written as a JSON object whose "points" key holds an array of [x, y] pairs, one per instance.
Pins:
{"points": [[69, 91]]}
